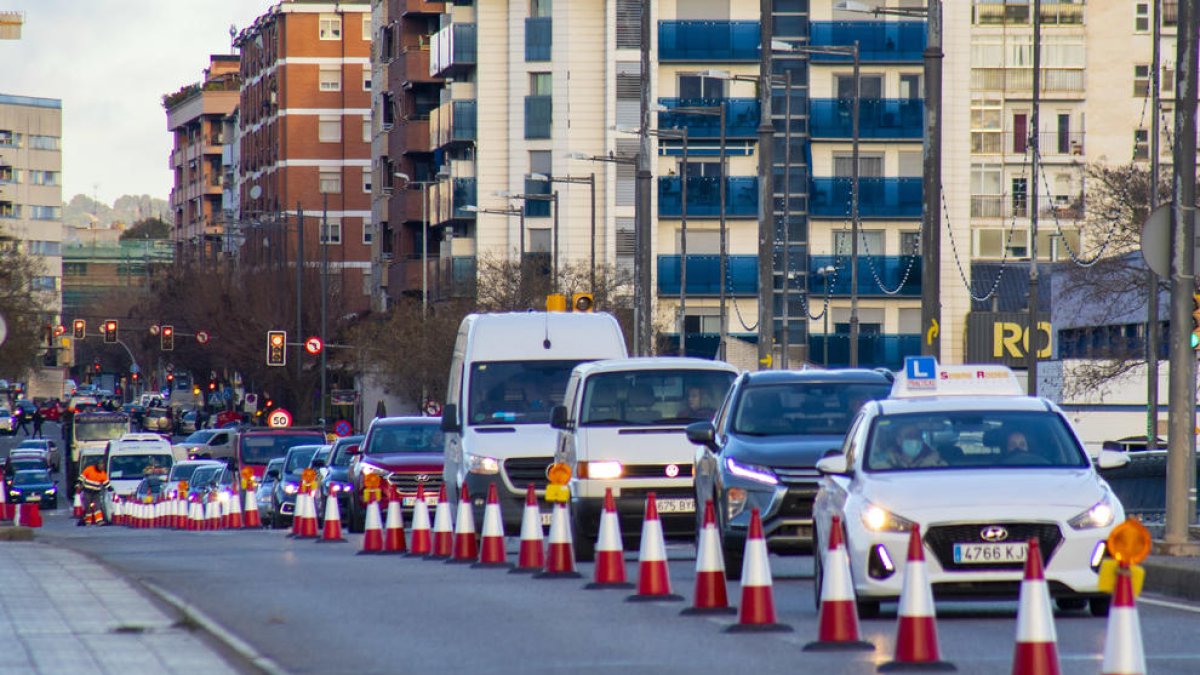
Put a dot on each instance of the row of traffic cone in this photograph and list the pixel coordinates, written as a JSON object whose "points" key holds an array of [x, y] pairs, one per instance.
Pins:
{"points": [[181, 514], [21, 515]]}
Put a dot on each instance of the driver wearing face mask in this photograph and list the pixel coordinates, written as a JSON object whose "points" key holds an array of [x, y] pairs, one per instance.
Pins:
{"points": [[909, 451]]}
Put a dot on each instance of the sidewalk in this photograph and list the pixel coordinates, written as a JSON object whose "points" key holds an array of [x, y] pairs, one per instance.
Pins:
{"points": [[63, 613]]}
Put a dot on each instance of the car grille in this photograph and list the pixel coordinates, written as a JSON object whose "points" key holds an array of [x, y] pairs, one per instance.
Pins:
{"points": [[942, 538], [793, 477], [655, 471], [408, 482], [522, 471]]}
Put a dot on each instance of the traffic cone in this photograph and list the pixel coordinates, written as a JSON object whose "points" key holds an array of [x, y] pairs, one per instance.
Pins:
{"points": [[443, 529], [532, 555], [212, 517], [1036, 652], [76, 504], [393, 528], [308, 522], [916, 632], [195, 517], [560, 561], [181, 513], [250, 512], [654, 579], [235, 512], [422, 545], [332, 531], [466, 548], [609, 571], [31, 515], [226, 520], [297, 505], [372, 531], [6, 510], [837, 622], [1123, 652], [710, 596], [757, 612], [491, 549]]}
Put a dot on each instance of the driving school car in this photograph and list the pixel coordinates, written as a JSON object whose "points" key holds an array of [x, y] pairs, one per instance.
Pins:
{"points": [[962, 453]]}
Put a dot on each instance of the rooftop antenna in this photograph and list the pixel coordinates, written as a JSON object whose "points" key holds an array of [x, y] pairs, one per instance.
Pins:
{"points": [[232, 37]]}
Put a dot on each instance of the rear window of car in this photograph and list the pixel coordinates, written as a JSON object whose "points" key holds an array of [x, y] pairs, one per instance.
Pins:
{"points": [[803, 408]]}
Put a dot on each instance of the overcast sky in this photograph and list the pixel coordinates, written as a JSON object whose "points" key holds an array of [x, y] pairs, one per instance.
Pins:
{"points": [[110, 61]]}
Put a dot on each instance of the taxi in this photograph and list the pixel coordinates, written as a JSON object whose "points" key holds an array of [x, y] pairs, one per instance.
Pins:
{"points": [[981, 468]]}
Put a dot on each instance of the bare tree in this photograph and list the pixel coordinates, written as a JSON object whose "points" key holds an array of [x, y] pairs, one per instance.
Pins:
{"points": [[25, 310]]}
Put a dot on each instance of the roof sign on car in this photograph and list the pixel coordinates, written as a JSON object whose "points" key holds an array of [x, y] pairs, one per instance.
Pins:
{"points": [[924, 376]]}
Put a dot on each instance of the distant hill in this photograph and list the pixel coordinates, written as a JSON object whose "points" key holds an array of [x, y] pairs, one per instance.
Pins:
{"points": [[82, 210]]}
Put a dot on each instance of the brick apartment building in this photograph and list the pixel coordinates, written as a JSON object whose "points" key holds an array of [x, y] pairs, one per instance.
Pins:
{"points": [[305, 137]]}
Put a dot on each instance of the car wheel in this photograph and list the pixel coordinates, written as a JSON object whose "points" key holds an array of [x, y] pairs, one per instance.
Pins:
{"points": [[867, 609], [585, 548], [1099, 606], [1070, 604], [733, 561]]}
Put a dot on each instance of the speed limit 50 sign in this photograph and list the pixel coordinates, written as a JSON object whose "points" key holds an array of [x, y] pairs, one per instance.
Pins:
{"points": [[279, 418]]}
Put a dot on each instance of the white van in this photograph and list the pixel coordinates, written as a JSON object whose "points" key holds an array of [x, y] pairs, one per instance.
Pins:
{"points": [[507, 372], [132, 457], [622, 427]]}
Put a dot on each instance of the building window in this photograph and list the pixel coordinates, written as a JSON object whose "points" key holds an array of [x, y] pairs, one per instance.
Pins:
{"points": [[366, 179], [366, 128], [368, 232], [870, 242], [330, 181], [540, 162], [539, 8], [629, 93], [910, 243], [44, 143], [45, 212], [1141, 81], [42, 177], [331, 231], [366, 27], [329, 129], [869, 87], [331, 78], [869, 165], [540, 84], [74, 269], [1141, 17], [1020, 196], [1141, 144], [698, 86], [366, 78], [330, 27], [629, 17]]}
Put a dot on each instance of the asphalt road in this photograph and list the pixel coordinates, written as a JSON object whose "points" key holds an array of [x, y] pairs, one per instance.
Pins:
{"points": [[320, 608]]}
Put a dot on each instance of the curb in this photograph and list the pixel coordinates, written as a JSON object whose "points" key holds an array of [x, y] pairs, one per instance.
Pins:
{"points": [[1176, 577], [14, 533]]}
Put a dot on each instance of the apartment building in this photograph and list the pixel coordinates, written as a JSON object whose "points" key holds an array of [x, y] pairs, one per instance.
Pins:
{"points": [[304, 121], [31, 185], [196, 117]]}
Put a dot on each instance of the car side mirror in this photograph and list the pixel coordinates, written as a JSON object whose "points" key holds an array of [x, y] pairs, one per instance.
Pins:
{"points": [[1111, 459], [450, 418], [558, 417], [273, 474], [833, 464], [353, 450], [702, 433]]}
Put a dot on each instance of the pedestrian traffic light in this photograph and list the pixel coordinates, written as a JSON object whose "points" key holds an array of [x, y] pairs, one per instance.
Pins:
{"points": [[1196, 321], [80, 327], [166, 338], [582, 302], [276, 348], [110, 331]]}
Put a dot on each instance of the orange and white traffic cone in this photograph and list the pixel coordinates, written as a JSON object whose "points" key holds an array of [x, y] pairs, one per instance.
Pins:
{"points": [[654, 579], [609, 571], [31, 515], [7, 512], [393, 528], [711, 596], [332, 532], [195, 516], [560, 560], [181, 513], [466, 548], [1123, 651], [443, 529], [236, 521], [308, 523], [422, 543], [250, 511], [226, 511], [76, 504], [212, 515], [372, 531], [757, 613], [1036, 652], [532, 555], [491, 548], [916, 631], [837, 622]]}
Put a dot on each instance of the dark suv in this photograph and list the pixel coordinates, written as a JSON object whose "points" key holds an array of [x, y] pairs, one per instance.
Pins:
{"points": [[761, 449]]}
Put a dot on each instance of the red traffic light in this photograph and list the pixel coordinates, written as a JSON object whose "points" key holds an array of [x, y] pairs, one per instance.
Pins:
{"points": [[170, 377], [212, 386]]}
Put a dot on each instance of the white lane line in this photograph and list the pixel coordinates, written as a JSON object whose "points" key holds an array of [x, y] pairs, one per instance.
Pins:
{"points": [[1170, 605]]}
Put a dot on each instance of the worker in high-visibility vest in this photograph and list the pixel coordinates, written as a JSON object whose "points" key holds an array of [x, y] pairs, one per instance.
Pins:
{"points": [[93, 481]]}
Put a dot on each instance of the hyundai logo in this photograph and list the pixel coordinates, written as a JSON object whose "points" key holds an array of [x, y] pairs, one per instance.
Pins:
{"points": [[422, 477], [672, 470], [993, 533]]}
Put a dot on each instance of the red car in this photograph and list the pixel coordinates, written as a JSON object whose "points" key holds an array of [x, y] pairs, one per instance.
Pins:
{"points": [[403, 451], [52, 411], [256, 447]]}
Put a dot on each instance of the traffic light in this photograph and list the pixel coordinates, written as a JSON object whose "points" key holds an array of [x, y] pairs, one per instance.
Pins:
{"points": [[170, 378], [166, 338], [110, 331], [1196, 321], [80, 327], [276, 348], [556, 302], [60, 330], [212, 386], [582, 302], [133, 376]]}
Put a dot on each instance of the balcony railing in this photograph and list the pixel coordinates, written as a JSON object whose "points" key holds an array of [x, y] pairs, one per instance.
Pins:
{"points": [[704, 197], [539, 115], [1007, 142], [887, 41], [452, 49], [741, 117], [1069, 207], [875, 350], [703, 41], [538, 35], [453, 122], [877, 118], [1021, 13], [1053, 80], [704, 275], [415, 64], [878, 275], [447, 199], [877, 197]]}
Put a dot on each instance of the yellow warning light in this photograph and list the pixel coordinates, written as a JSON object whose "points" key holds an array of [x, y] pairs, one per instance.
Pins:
{"points": [[558, 473], [1129, 542], [183, 487], [371, 481]]}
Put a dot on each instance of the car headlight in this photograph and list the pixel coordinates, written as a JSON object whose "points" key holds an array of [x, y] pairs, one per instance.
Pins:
{"points": [[291, 488], [371, 468], [482, 465], [878, 519], [1101, 514], [759, 474], [52, 490], [606, 470], [340, 487], [14, 492]]}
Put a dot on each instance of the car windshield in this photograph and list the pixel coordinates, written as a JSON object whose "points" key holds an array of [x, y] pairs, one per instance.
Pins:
{"points": [[644, 397], [261, 448], [200, 437], [31, 478], [399, 438], [803, 408], [972, 440], [298, 458], [184, 471], [136, 466], [517, 392]]}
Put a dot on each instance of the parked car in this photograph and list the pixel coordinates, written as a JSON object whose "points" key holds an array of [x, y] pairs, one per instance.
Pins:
{"points": [[33, 486], [264, 493], [403, 451], [335, 479], [295, 462], [49, 446]]}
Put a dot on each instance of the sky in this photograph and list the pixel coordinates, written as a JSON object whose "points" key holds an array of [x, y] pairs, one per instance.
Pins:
{"points": [[110, 61]]}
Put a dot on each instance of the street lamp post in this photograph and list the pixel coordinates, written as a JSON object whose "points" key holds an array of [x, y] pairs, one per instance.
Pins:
{"points": [[590, 181], [424, 185], [825, 272], [553, 199]]}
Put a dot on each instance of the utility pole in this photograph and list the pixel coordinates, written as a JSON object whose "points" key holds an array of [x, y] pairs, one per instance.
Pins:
{"points": [[1033, 341], [683, 181], [722, 351], [1152, 334], [785, 336], [643, 218], [324, 300], [931, 224], [854, 224], [766, 192], [299, 283], [1181, 437]]}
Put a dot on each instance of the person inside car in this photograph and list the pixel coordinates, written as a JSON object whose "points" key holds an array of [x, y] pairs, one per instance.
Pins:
{"points": [[696, 408], [908, 451], [1016, 450]]}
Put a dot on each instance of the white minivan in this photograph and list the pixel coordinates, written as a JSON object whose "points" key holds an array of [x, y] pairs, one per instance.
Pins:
{"points": [[132, 457], [622, 426], [508, 371]]}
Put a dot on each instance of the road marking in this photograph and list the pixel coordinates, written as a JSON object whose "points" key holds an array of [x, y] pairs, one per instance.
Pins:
{"points": [[1171, 605]]}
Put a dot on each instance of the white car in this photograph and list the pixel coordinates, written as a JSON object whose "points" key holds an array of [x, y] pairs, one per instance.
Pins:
{"points": [[980, 474]]}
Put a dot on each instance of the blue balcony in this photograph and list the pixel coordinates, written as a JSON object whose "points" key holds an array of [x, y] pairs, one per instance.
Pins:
{"points": [[884, 118], [878, 41], [539, 113], [453, 122], [875, 350], [704, 197], [896, 276], [877, 197], [453, 50], [741, 117], [464, 195], [704, 275], [537, 208], [704, 41], [538, 38]]}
